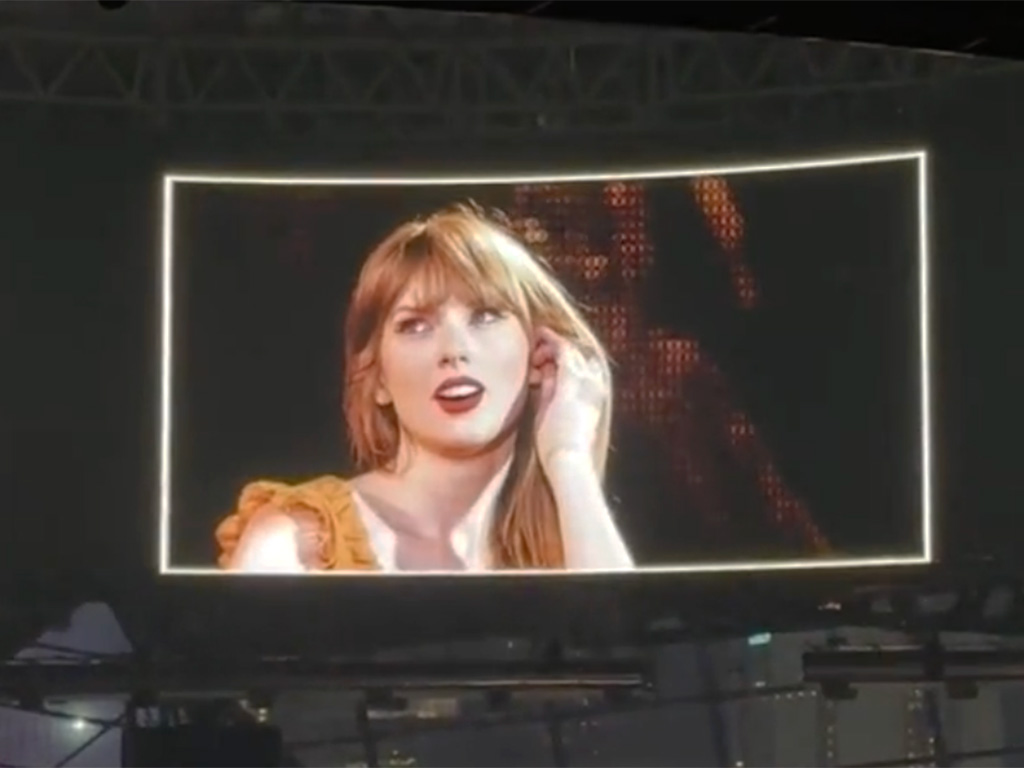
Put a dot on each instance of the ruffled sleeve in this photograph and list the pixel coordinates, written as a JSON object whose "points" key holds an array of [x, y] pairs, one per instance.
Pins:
{"points": [[341, 541]]}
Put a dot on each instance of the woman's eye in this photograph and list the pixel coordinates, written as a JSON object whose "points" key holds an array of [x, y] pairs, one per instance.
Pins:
{"points": [[486, 315], [411, 325]]}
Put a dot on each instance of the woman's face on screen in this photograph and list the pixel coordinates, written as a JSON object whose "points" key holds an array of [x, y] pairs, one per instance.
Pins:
{"points": [[456, 373]]}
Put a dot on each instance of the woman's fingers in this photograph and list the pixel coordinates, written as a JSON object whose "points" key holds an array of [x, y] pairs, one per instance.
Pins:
{"points": [[554, 353]]}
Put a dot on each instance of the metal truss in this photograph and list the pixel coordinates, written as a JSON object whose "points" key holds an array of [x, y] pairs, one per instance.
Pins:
{"points": [[500, 83]]}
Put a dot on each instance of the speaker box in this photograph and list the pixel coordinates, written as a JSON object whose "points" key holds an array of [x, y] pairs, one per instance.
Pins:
{"points": [[202, 746]]}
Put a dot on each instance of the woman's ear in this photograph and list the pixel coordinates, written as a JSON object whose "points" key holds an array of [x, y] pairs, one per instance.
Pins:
{"points": [[381, 396], [536, 375]]}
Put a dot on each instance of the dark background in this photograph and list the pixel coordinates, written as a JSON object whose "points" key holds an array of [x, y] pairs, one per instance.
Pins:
{"points": [[824, 362]]}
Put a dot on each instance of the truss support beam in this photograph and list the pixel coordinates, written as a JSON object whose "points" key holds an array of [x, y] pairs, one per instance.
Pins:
{"points": [[383, 87]]}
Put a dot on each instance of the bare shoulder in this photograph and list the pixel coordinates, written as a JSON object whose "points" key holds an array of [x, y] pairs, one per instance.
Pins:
{"points": [[279, 526], [277, 540]]}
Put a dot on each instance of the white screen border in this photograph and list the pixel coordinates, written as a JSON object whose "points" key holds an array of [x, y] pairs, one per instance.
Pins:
{"points": [[166, 340]]}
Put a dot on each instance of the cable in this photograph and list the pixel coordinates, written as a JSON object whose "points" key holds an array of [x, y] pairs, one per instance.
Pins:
{"points": [[89, 742], [69, 651], [100, 722]]}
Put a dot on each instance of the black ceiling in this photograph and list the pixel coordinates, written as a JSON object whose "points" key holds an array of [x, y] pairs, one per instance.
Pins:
{"points": [[980, 28]]}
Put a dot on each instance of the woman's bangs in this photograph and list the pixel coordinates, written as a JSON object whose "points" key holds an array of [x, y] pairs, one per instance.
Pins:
{"points": [[443, 272]]}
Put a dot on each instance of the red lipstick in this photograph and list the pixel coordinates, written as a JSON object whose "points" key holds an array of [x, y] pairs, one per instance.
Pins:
{"points": [[459, 394]]}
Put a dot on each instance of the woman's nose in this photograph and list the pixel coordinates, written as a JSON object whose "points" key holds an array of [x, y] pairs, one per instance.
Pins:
{"points": [[454, 346]]}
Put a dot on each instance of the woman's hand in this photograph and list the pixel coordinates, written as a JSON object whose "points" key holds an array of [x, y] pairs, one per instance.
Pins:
{"points": [[574, 391]]}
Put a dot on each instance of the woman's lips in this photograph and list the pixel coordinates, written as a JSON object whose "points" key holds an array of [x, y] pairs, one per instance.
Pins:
{"points": [[459, 394], [463, 404]]}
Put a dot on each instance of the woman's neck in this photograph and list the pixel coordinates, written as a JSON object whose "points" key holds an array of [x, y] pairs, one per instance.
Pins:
{"points": [[432, 493]]}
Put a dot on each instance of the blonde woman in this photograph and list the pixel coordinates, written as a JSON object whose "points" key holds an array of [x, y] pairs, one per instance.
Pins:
{"points": [[478, 401]]}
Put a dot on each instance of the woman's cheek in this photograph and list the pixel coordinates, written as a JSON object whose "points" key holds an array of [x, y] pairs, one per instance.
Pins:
{"points": [[407, 359], [511, 346]]}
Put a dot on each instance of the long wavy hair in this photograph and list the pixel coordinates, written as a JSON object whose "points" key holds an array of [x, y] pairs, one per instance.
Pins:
{"points": [[468, 252]]}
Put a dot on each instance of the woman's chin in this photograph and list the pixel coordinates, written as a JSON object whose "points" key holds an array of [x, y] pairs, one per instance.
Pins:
{"points": [[467, 446]]}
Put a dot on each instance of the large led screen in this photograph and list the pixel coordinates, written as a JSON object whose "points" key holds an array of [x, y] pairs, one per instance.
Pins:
{"points": [[673, 370]]}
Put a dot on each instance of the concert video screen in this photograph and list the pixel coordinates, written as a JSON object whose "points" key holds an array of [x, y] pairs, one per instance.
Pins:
{"points": [[669, 370]]}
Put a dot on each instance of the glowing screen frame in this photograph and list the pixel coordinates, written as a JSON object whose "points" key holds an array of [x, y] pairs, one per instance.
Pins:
{"points": [[166, 346]]}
